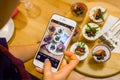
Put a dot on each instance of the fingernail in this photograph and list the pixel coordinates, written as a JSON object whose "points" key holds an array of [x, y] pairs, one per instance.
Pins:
{"points": [[46, 60]]}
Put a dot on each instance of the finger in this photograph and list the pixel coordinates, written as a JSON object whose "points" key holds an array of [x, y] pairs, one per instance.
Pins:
{"points": [[73, 62], [63, 64], [73, 58], [47, 67], [71, 55], [39, 69]]}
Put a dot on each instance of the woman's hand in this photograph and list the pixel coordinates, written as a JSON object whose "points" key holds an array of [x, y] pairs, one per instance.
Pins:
{"points": [[63, 72]]}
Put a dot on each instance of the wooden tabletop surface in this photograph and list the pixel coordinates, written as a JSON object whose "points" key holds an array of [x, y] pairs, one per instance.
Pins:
{"points": [[29, 30]]}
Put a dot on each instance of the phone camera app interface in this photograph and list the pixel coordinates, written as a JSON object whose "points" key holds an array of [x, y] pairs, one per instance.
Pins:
{"points": [[54, 42]]}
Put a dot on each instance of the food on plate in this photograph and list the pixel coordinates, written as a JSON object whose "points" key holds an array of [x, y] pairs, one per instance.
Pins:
{"points": [[98, 14], [60, 48], [48, 38], [57, 37], [101, 53], [51, 28], [79, 11], [80, 49], [60, 31], [52, 47], [91, 31]]}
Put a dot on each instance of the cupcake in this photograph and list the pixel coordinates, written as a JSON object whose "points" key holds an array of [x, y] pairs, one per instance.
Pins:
{"points": [[101, 53], [80, 49], [91, 31], [98, 14], [79, 11]]}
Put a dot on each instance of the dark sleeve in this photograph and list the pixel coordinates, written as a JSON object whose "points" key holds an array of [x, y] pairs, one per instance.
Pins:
{"points": [[3, 42], [11, 68]]}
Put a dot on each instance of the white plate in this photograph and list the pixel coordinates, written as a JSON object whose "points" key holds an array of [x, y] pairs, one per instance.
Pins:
{"points": [[97, 33], [82, 57], [102, 47], [93, 10], [8, 30]]}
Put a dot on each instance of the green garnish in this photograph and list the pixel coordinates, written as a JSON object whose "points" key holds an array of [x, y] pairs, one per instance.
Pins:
{"points": [[79, 12], [94, 29], [91, 31], [82, 44], [104, 11], [102, 15], [89, 26]]}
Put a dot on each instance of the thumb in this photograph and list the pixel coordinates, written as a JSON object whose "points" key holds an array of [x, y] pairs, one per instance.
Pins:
{"points": [[47, 68]]}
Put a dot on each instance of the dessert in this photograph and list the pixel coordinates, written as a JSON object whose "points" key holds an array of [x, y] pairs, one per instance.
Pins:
{"points": [[79, 11], [80, 49], [101, 53], [48, 38], [91, 31], [60, 48], [51, 28], [52, 47], [60, 31], [57, 37], [98, 14]]}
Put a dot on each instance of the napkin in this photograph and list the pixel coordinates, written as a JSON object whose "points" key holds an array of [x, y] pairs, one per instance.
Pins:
{"points": [[108, 24]]}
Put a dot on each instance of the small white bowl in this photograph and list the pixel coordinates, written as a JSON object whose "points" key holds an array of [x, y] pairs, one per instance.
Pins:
{"points": [[83, 56], [97, 34], [101, 47], [92, 12]]}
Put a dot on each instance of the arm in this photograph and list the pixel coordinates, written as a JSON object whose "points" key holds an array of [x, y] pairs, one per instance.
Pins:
{"points": [[7, 8], [24, 53]]}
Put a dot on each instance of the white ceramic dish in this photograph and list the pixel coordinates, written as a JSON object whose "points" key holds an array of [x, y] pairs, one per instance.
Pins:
{"points": [[91, 38], [93, 10], [102, 47], [80, 57], [8, 30]]}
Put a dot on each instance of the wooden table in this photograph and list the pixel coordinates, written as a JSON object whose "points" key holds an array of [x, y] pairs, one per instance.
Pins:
{"points": [[30, 30]]}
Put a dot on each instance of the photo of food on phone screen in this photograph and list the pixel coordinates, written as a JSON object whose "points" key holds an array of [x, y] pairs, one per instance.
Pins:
{"points": [[54, 42]]}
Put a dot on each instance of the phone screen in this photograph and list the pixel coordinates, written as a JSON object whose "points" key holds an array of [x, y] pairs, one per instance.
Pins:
{"points": [[54, 42]]}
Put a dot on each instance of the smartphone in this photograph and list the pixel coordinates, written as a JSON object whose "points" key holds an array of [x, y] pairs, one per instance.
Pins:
{"points": [[55, 41]]}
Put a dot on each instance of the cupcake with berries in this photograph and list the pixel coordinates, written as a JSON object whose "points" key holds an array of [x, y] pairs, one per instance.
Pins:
{"points": [[91, 31], [98, 14], [101, 53], [80, 49], [78, 11]]}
